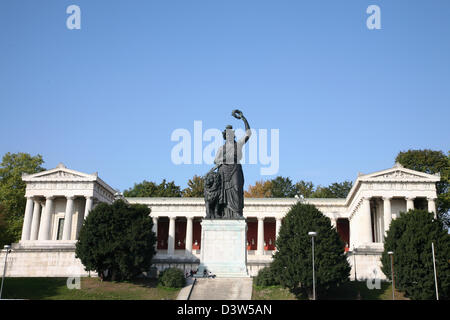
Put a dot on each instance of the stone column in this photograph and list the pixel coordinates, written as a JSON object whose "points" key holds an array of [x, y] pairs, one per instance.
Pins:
{"points": [[155, 230], [260, 243], [432, 206], [365, 231], [67, 231], [333, 222], [88, 206], [36, 220], [26, 228], [44, 229], [387, 213], [409, 203], [277, 227], [171, 238], [155, 226], [189, 235]]}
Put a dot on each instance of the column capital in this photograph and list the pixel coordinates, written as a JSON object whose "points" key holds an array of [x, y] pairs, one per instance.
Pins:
{"points": [[29, 197], [387, 198], [89, 197], [260, 218], [410, 198], [431, 198], [50, 198], [70, 197], [278, 218], [366, 198], [189, 218]]}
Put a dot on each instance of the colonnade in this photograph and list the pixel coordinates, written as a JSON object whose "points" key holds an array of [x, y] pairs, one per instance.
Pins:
{"points": [[189, 233], [38, 217], [366, 222]]}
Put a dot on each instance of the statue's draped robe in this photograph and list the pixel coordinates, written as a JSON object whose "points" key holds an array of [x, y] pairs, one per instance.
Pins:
{"points": [[232, 190]]}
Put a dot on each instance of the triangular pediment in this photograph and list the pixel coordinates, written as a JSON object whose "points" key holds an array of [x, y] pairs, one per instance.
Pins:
{"points": [[399, 173], [60, 173]]}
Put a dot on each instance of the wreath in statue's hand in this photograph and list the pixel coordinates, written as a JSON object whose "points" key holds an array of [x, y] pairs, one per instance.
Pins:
{"points": [[237, 114]]}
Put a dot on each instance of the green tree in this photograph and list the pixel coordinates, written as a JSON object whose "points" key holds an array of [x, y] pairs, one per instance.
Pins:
{"points": [[3, 227], [12, 191], [195, 188], [266, 278], [334, 190], [409, 237], [151, 189], [293, 260], [282, 187], [431, 162], [304, 188], [117, 239]]}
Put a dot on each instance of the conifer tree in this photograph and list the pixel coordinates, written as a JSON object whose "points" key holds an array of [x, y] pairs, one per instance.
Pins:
{"points": [[409, 237], [292, 263]]}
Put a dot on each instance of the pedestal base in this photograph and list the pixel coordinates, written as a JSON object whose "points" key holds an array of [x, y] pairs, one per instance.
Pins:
{"points": [[223, 250]]}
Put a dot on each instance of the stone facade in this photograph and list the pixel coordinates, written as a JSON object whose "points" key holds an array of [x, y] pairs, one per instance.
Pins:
{"points": [[223, 252], [59, 195]]}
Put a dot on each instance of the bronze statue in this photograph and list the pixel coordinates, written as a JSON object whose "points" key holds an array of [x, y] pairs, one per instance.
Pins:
{"points": [[224, 189]]}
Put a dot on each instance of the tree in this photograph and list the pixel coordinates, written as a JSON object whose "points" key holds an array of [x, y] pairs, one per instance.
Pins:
{"points": [[334, 190], [292, 263], [12, 191], [409, 237], [151, 189], [431, 162], [340, 189], [261, 189], [196, 187], [117, 241], [304, 188], [283, 188], [3, 227]]}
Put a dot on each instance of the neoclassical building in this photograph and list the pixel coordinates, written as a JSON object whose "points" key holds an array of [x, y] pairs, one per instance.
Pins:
{"points": [[58, 201]]}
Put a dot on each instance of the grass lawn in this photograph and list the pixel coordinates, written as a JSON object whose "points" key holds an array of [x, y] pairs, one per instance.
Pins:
{"points": [[91, 289], [271, 293], [353, 290]]}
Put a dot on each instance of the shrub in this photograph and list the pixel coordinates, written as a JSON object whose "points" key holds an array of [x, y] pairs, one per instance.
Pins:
{"points": [[173, 278], [266, 278]]}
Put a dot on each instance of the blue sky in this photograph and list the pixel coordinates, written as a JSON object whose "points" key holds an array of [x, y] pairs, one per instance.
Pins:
{"points": [[107, 97]]}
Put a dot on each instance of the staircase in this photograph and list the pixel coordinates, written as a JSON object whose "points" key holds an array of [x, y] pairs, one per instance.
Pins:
{"points": [[222, 289]]}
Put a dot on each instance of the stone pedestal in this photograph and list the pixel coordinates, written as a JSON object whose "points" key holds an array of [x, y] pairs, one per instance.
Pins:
{"points": [[223, 250]]}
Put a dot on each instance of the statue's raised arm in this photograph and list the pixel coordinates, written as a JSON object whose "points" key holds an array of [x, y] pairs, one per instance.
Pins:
{"points": [[239, 115]]}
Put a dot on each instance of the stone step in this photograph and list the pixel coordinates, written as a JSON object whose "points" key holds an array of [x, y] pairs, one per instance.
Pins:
{"points": [[222, 289]]}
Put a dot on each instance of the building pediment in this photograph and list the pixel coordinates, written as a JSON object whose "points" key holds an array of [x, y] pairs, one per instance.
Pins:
{"points": [[60, 173], [396, 175], [401, 174]]}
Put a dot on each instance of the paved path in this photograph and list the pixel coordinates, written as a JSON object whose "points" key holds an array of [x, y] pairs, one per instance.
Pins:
{"points": [[184, 292], [222, 289]]}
